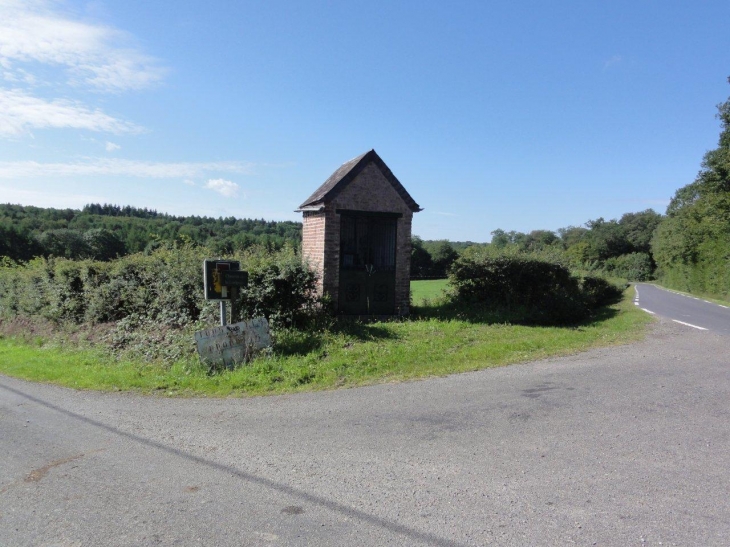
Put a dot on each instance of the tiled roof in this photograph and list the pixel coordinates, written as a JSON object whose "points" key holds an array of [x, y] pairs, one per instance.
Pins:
{"points": [[347, 172]]}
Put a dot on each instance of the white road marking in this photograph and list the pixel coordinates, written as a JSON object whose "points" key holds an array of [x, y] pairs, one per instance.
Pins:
{"points": [[648, 311], [687, 295], [689, 325]]}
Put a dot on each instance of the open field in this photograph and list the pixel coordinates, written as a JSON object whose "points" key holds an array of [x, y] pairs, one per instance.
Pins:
{"points": [[350, 355], [427, 290]]}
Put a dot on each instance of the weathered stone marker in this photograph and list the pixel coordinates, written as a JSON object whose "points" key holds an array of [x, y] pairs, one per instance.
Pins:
{"points": [[229, 345]]}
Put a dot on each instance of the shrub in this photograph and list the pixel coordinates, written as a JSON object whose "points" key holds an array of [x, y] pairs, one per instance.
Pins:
{"points": [[280, 288], [160, 290], [632, 266], [539, 291], [598, 292]]}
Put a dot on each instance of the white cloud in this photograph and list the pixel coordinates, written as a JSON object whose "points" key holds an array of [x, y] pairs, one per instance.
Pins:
{"points": [[19, 76], [48, 199], [111, 147], [31, 31], [615, 60], [189, 182], [223, 187], [20, 112], [120, 167]]}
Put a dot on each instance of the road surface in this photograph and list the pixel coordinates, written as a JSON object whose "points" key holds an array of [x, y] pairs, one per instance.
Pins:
{"points": [[618, 446], [686, 310]]}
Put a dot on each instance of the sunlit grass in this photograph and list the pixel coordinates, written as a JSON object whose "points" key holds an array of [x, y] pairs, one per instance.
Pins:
{"points": [[428, 290], [351, 355]]}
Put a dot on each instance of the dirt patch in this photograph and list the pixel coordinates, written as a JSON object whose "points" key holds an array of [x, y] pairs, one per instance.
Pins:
{"points": [[38, 329], [37, 474]]}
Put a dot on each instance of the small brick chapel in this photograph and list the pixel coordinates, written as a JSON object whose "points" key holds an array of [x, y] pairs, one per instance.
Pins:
{"points": [[357, 236]]}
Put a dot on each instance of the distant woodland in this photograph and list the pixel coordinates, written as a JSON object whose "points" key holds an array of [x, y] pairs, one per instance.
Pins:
{"points": [[621, 248], [104, 232]]}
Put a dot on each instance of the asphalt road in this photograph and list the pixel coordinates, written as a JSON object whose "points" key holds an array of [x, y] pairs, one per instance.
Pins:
{"points": [[689, 311], [618, 446]]}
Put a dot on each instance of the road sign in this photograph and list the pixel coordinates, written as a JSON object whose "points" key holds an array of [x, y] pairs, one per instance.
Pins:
{"points": [[235, 278], [213, 272]]}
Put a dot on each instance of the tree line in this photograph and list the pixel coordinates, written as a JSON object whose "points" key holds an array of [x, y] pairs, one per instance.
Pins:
{"points": [[620, 248], [104, 232], [692, 244]]}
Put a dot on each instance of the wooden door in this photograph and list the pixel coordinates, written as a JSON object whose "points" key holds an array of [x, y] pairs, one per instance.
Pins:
{"points": [[367, 264]]}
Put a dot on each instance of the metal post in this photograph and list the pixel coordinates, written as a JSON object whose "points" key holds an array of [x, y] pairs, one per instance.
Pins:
{"points": [[223, 313], [234, 308]]}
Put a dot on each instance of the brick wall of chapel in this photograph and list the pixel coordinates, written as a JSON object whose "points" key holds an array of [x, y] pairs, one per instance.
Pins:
{"points": [[369, 191], [313, 242]]}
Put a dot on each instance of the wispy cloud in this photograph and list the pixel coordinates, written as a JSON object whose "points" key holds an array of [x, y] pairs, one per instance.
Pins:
{"points": [[223, 187], [44, 48], [613, 61], [105, 58], [120, 167], [48, 199], [111, 146], [20, 113]]}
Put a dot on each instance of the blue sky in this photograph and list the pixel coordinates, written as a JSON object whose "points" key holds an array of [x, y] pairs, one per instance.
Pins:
{"points": [[514, 115]]}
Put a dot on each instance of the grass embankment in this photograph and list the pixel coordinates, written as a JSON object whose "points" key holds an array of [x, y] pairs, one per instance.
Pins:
{"points": [[354, 354]]}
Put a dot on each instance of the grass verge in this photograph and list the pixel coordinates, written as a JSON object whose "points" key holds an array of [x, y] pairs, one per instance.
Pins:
{"points": [[354, 354]]}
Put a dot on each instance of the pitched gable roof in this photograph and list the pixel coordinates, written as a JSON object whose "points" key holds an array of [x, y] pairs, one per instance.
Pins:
{"points": [[347, 172]]}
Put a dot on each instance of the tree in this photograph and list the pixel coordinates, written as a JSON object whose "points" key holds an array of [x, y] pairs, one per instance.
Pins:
{"points": [[63, 243], [537, 240], [606, 239], [103, 244], [17, 245], [499, 238], [692, 245], [443, 257], [572, 235], [421, 261], [639, 229]]}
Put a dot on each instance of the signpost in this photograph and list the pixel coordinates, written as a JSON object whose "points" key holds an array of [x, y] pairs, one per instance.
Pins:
{"points": [[227, 345], [221, 281]]}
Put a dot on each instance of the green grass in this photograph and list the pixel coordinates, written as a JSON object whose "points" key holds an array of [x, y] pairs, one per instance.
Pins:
{"points": [[428, 290], [354, 354]]}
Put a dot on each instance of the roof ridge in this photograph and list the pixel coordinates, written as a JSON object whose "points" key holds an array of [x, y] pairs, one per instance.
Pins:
{"points": [[344, 174]]}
